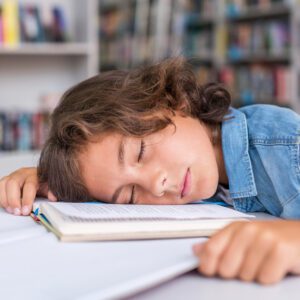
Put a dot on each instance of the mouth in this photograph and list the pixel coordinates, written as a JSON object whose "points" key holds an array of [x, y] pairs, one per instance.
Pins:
{"points": [[186, 184]]}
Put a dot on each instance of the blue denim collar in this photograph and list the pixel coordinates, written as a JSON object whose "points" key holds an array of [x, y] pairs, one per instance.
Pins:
{"points": [[235, 145]]}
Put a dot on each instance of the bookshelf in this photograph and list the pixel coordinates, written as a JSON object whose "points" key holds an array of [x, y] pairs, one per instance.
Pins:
{"points": [[250, 45], [215, 35], [73, 49], [204, 22], [259, 52], [32, 70], [254, 50], [136, 32]]}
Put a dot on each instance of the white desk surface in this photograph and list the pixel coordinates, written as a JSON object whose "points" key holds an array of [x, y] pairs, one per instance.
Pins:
{"points": [[192, 286], [35, 265]]}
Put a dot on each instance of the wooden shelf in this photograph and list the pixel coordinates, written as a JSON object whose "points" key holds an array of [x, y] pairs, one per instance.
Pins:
{"points": [[198, 20], [201, 58], [264, 58], [46, 49], [255, 13]]}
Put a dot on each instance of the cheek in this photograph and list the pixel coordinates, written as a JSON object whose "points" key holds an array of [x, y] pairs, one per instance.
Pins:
{"points": [[206, 175], [206, 181]]}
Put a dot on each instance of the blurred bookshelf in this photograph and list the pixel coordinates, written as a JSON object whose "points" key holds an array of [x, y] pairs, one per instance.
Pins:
{"points": [[252, 46], [137, 32], [259, 52], [45, 48]]}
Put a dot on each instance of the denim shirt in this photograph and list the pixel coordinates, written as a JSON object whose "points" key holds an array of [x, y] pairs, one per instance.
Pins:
{"points": [[262, 159]]}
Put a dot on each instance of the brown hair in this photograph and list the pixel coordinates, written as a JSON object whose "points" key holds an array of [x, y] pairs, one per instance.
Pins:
{"points": [[134, 103]]}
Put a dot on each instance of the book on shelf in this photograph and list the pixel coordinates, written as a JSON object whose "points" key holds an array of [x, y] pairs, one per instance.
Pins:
{"points": [[31, 23], [261, 40], [23, 131], [10, 25], [236, 7], [72, 222], [258, 84], [134, 33]]}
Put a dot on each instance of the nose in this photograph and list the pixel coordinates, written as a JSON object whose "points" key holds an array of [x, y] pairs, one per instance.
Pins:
{"points": [[153, 181]]}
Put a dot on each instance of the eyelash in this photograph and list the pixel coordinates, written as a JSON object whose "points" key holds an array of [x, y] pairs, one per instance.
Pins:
{"points": [[132, 195], [142, 151], [141, 154]]}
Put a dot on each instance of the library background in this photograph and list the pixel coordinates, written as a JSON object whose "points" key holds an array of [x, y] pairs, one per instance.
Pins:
{"points": [[46, 46]]}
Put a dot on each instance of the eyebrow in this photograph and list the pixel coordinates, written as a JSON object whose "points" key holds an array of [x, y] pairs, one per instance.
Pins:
{"points": [[121, 152], [121, 155]]}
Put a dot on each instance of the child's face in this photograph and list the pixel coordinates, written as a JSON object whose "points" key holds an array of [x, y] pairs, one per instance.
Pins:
{"points": [[167, 167]]}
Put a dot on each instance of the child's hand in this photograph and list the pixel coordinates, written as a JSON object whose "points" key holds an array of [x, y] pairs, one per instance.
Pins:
{"points": [[18, 191], [264, 251]]}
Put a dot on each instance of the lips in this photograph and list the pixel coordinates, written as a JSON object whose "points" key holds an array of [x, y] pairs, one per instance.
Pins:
{"points": [[186, 184]]}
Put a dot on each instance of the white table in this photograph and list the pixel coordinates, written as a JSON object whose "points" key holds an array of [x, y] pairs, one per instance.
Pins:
{"points": [[35, 265], [192, 286]]}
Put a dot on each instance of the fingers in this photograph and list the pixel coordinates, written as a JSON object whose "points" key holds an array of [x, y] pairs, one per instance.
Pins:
{"points": [[18, 191], [234, 254], [29, 194], [255, 256], [13, 196], [274, 267], [251, 251], [210, 253]]}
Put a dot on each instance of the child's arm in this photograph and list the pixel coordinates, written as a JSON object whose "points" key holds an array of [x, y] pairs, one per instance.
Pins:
{"points": [[263, 251], [19, 189]]}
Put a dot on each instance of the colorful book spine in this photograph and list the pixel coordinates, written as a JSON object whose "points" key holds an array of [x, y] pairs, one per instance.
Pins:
{"points": [[31, 23], [236, 7], [259, 38], [59, 25], [11, 34], [1, 25], [23, 131], [258, 84]]}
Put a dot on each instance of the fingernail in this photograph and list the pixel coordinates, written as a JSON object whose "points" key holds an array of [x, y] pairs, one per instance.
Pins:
{"points": [[17, 211], [9, 210], [25, 210]]}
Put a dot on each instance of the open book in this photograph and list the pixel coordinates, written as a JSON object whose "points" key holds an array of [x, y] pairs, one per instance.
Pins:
{"points": [[96, 221]]}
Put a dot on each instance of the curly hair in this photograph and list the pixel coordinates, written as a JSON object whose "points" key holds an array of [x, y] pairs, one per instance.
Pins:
{"points": [[133, 103]]}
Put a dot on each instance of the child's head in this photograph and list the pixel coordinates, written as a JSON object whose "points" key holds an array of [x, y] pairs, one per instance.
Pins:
{"points": [[146, 132]]}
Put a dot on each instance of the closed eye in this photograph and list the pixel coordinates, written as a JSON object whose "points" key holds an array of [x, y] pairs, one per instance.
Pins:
{"points": [[142, 151], [140, 156], [132, 197]]}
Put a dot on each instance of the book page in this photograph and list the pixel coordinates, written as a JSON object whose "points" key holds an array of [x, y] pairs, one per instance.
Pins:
{"points": [[128, 211]]}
